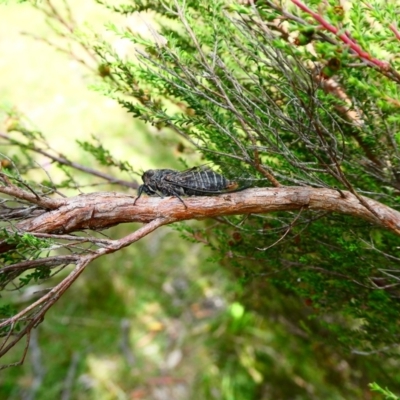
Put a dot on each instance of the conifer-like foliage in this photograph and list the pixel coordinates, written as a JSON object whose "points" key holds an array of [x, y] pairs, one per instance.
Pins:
{"points": [[271, 96], [283, 97]]}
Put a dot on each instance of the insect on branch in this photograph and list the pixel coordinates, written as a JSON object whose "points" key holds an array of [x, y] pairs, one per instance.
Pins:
{"points": [[196, 181]]}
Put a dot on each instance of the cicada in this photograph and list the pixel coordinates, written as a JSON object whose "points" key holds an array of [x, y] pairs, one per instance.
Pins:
{"points": [[196, 181]]}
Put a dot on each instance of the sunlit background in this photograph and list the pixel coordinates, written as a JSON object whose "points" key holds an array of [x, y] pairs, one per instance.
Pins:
{"points": [[161, 319]]}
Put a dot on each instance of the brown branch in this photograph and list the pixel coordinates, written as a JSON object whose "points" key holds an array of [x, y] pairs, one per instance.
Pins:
{"points": [[105, 209], [13, 190], [41, 262], [347, 108], [101, 210], [59, 158], [289, 228], [395, 31]]}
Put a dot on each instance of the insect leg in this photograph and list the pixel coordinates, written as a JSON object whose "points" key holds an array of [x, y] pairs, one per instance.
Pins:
{"points": [[179, 197], [149, 191], [140, 191]]}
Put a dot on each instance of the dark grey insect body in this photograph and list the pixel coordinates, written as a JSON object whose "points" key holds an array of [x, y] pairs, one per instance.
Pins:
{"points": [[197, 181]]}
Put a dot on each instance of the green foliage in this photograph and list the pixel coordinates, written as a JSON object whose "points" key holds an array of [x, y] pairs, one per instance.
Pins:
{"points": [[103, 156], [388, 395], [7, 311], [255, 98], [251, 104], [24, 247]]}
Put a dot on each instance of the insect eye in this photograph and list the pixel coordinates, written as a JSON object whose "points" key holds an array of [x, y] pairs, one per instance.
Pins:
{"points": [[148, 174]]}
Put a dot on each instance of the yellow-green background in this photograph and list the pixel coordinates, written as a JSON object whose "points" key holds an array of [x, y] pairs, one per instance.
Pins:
{"points": [[189, 335]]}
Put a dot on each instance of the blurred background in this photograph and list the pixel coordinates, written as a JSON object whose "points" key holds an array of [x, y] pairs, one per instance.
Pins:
{"points": [[160, 319]]}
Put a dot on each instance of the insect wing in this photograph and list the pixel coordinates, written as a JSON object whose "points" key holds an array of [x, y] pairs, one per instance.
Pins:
{"points": [[201, 181], [189, 191]]}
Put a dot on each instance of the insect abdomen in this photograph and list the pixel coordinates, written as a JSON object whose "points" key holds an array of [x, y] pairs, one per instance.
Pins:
{"points": [[207, 181]]}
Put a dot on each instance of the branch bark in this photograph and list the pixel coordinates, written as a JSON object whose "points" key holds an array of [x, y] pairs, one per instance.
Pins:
{"points": [[105, 209]]}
